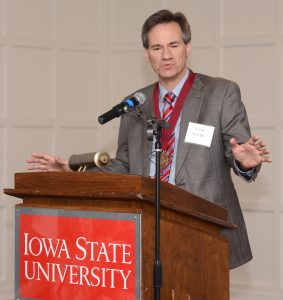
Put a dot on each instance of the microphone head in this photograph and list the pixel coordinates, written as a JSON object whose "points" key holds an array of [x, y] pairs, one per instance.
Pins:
{"points": [[133, 102], [141, 97], [127, 105]]}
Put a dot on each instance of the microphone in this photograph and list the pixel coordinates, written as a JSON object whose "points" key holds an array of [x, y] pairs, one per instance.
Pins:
{"points": [[123, 107], [81, 161]]}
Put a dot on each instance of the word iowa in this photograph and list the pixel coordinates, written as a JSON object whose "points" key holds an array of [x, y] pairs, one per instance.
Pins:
{"points": [[84, 249]]}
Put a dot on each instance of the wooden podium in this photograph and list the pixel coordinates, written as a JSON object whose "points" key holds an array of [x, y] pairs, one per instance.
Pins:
{"points": [[194, 256]]}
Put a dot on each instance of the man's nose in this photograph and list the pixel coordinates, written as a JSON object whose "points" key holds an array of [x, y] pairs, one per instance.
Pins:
{"points": [[166, 53]]}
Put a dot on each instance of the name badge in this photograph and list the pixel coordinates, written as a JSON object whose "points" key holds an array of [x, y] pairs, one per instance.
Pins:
{"points": [[199, 134]]}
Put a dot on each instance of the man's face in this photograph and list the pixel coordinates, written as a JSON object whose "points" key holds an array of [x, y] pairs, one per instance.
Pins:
{"points": [[167, 53]]}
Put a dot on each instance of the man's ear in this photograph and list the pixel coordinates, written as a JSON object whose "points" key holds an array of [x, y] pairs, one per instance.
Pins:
{"points": [[146, 53], [189, 49]]}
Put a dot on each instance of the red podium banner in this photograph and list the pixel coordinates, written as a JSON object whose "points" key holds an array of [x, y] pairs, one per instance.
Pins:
{"points": [[75, 254]]}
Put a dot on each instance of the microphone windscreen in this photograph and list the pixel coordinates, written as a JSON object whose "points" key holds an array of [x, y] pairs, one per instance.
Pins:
{"points": [[141, 97]]}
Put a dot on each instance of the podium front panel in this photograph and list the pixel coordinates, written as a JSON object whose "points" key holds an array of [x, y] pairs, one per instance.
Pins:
{"points": [[77, 254]]}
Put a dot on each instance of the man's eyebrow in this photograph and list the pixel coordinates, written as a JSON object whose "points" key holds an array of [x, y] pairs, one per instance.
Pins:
{"points": [[159, 45], [155, 45], [175, 42]]}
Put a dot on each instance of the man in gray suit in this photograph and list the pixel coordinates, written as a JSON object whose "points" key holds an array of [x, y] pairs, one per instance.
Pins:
{"points": [[210, 132]]}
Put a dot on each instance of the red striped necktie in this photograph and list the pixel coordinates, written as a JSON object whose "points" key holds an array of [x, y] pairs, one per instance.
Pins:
{"points": [[168, 99]]}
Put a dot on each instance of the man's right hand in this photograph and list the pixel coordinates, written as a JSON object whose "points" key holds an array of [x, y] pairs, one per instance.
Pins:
{"points": [[41, 162]]}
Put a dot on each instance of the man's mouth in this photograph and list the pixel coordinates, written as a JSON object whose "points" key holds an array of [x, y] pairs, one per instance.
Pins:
{"points": [[167, 66]]}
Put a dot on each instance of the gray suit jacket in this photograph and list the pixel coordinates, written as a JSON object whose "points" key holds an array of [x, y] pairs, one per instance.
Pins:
{"points": [[203, 171]]}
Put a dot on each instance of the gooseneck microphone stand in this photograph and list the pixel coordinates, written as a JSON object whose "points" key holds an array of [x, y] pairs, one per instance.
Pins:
{"points": [[154, 133]]}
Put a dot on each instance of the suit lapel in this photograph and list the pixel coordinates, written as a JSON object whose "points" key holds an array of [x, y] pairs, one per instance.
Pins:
{"points": [[190, 113]]}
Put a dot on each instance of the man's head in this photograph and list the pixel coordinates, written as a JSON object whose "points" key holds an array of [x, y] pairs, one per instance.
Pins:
{"points": [[166, 39], [162, 17]]}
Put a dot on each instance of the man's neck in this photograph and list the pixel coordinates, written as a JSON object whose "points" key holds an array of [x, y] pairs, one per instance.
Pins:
{"points": [[171, 83]]}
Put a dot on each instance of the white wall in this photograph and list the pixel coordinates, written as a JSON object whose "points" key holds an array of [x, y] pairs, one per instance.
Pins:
{"points": [[64, 62]]}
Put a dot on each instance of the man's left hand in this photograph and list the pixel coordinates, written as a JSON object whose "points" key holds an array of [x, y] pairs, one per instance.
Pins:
{"points": [[250, 154]]}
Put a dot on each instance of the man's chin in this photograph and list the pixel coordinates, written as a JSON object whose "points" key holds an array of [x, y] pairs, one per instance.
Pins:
{"points": [[168, 74]]}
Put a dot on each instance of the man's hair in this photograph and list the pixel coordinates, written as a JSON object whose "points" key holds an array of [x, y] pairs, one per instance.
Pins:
{"points": [[166, 16]]}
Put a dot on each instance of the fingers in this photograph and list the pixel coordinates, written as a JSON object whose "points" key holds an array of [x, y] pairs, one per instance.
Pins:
{"points": [[257, 142], [45, 162], [267, 159], [263, 153], [37, 164], [40, 162], [233, 142], [37, 168], [42, 156], [252, 153], [260, 145], [253, 140], [37, 161]]}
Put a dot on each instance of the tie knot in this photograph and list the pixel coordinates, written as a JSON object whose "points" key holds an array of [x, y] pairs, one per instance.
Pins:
{"points": [[169, 97]]}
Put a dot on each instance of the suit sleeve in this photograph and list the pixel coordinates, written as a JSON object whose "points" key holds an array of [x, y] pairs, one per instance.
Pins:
{"points": [[234, 123], [119, 164]]}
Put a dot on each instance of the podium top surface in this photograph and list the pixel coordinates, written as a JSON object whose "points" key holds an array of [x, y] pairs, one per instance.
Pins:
{"points": [[99, 186]]}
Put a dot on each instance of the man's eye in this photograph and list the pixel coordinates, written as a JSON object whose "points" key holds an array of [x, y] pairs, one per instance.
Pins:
{"points": [[156, 48]]}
